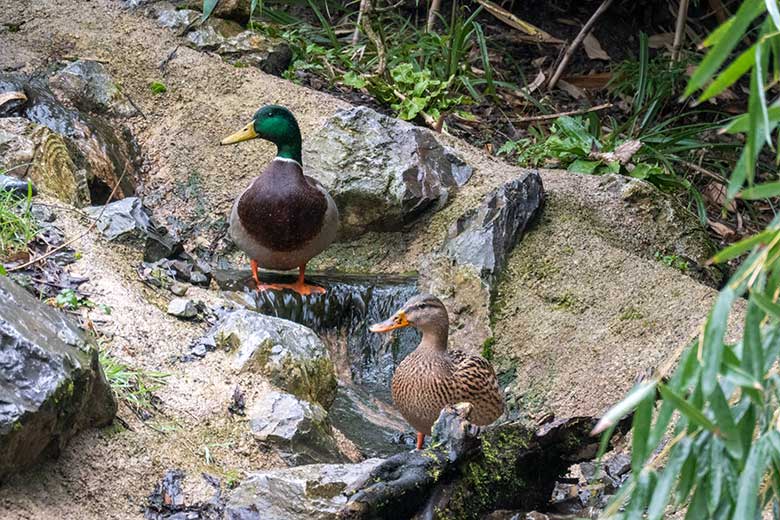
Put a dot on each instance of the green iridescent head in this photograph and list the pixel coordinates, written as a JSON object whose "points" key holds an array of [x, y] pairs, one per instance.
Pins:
{"points": [[276, 124]]}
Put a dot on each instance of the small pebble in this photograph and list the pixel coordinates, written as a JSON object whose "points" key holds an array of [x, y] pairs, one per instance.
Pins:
{"points": [[179, 289], [182, 308]]}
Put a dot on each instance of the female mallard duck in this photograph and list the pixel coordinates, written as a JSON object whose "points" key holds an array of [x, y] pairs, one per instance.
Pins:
{"points": [[432, 377], [284, 218]]}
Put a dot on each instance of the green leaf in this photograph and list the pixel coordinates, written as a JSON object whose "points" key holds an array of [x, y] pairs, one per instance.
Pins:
{"points": [[643, 417], [693, 414], [742, 123], [766, 304], [730, 75], [715, 477], [208, 8], [743, 246], [771, 7], [761, 191], [720, 408], [3, 271], [752, 352], [352, 79], [726, 41], [629, 402], [582, 166], [750, 479], [667, 479], [697, 509], [714, 331]]}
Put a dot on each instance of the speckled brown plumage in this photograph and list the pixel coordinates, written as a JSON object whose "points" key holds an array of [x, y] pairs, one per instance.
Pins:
{"points": [[427, 380], [432, 376]]}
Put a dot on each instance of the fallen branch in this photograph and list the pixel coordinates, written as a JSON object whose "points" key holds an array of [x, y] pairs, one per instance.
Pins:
{"points": [[577, 41], [513, 21], [76, 238], [375, 39], [561, 114], [433, 11], [361, 11]]}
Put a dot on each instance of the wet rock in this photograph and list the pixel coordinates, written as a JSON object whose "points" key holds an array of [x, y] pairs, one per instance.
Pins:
{"points": [[484, 236], [237, 10], [93, 144], [182, 308], [312, 491], [88, 85], [53, 385], [185, 268], [31, 151], [123, 219], [16, 186], [289, 354], [382, 172], [565, 498], [619, 465], [271, 55], [160, 244], [12, 92], [168, 500], [297, 429]]}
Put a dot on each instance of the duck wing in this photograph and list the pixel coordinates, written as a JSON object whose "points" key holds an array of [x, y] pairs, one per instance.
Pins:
{"points": [[474, 381]]}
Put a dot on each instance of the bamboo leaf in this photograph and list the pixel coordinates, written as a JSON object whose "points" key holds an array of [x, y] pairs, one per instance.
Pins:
{"points": [[771, 7], [634, 397], [669, 476], [770, 307], [730, 75], [693, 414], [643, 417], [208, 8], [742, 123], [761, 191], [714, 332], [750, 479], [725, 421], [725, 43], [743, 246]]}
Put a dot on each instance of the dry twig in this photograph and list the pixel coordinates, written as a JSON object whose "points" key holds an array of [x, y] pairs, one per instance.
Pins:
{"points": [[577, 41], [561, 114], [679, 29], [432, 12]]}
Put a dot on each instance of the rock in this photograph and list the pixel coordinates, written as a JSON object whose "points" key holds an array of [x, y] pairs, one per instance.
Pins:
{"points": [[209, 35], [53, 384], [382, 172], [88, 85], [290, 355], [271, 55], [12, 92], [179, 289], [237, 10], [16, 186], [313, 492], [169, 499], [93, 144], [160, 244], [182, 308], [484, 236], [31, 151], [123, 219], [619, 465], [173, 18], [299, 430]]}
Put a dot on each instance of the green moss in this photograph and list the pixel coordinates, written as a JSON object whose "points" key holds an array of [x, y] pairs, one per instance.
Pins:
{"points": [[157, 87], [567, 302], [487, 348]]}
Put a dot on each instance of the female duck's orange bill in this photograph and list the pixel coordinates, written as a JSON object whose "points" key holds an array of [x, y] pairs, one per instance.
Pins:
{"points": [[396, 322]]}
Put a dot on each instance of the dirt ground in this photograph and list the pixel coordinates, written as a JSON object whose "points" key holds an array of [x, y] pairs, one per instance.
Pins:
{"points": [[583, 346]]}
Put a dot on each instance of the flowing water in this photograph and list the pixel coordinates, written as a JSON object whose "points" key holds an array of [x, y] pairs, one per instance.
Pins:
{"points": [[364, 361]]}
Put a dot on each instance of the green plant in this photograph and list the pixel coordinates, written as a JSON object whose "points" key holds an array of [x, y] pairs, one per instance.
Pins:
{"points": [[673, 261], [134, 387], [157, 88], [722, 401], [70, 300], [17, 225]]}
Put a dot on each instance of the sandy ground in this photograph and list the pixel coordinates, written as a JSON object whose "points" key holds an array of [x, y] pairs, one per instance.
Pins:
{"points": [[561, 304]]}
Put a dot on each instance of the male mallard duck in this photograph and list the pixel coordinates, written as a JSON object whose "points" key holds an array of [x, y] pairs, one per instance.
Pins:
{"points": [[432, 377], [284, 218]]}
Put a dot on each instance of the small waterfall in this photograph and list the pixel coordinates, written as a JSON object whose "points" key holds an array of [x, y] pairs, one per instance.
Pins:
{"points": [[365, 361]]}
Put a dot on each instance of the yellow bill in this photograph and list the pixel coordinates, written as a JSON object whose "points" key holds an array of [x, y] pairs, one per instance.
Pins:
{"points": [[245, 134], [396, 322]]}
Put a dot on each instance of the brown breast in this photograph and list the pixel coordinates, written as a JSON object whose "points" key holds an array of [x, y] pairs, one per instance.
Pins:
{"points": [[282, 210]]}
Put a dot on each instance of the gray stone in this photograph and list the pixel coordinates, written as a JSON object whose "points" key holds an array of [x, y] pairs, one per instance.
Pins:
{"points": [[237, 10], [297, 429], [16, 186], [212, 33], [88, 85], [289, 354], [179, 289], [271, 55], [126, 218], [619, 465], [176, 18], [51, 382], [182, 308], [313, 492], [382, 172], [160, 244], [484, 236]]}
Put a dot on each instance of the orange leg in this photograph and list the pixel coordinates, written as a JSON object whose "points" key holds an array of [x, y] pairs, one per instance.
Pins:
{"points": [[300, 286], [262, 286], [420, 440]]}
